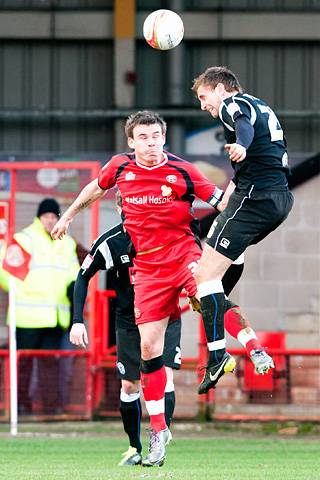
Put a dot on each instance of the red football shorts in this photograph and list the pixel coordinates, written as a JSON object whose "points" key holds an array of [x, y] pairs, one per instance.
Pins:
{"points": [[159, 278]]}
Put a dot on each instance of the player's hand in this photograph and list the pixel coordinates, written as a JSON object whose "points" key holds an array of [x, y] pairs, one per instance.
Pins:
{"points": [[78, 335], [221, 206], [61, 227], [236, 152], [223, 203]]}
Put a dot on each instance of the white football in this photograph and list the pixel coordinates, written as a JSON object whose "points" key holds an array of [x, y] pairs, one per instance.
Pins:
{"points": [[163, 29]]}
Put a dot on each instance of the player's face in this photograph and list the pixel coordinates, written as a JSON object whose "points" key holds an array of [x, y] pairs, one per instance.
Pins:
{"points": [[147, 141], [48, 220], [210, 100]]}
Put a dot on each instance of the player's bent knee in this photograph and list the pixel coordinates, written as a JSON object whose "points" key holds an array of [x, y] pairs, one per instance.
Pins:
{"points": [[129, 386], [150, 350]]}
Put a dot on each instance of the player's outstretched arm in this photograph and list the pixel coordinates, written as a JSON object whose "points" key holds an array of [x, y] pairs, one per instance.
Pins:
{"points": [[88, 195], [78, 335], [244, 136]]}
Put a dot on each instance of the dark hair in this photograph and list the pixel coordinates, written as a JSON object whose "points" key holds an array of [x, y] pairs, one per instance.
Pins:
{"points": [[214, 75], [48, 205], [145, 117]]}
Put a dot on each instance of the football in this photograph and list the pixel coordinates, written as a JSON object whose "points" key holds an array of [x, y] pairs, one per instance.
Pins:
{"points": [[163, 29]]}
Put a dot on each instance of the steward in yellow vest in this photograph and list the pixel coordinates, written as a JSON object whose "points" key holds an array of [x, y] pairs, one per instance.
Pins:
{"points": [[41, 299], [43, 302]]}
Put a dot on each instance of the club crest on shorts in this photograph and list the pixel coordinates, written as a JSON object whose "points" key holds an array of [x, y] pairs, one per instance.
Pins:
{"points": [[121, 368], [137, 312]]}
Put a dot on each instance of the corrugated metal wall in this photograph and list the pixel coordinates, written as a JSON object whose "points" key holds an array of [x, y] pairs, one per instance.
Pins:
{"points": [[283, 5], [274, 5], [285, 75], [154, 4], [78, 74], [45, 4], [56, 75]]}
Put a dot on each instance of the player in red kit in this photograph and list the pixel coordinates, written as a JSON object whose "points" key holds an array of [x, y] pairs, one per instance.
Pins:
{"points": [[158, 190], [157, 209]]}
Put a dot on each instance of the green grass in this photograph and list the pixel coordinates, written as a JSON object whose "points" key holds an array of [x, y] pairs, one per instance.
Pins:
{"points": [[190, 456]]}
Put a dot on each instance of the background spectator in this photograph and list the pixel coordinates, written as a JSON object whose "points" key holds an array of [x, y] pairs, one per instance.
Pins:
{"points": [[43, 303]]}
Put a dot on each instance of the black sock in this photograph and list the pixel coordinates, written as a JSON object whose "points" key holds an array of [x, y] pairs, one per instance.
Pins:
{"points": [[212, 309], [169, 402], [131, 418]]}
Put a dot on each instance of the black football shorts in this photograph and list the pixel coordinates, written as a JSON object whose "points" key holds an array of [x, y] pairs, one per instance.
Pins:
{"points": [[247, 220], [128, 350]]}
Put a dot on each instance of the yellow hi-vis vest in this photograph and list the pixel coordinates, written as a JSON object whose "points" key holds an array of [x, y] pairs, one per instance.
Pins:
{"points": [[41, 299]]}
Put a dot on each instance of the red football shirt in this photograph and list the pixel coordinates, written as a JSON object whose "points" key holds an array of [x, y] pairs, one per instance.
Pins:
{"points": [[157, 200]]}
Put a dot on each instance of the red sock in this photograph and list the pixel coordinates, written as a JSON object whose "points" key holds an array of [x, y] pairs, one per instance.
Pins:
{"points": [[239, 327], [153, 387]]}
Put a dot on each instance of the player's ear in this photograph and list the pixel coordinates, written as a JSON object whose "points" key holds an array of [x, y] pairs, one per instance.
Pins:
{"points": [[130, 142], [220, 89]]}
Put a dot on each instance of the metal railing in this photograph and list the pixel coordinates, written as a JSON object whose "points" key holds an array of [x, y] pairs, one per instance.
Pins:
{"points": [[101, 115]]}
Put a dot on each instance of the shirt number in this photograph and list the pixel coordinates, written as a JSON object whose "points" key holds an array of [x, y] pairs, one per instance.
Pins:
{"points": [[177, 358], [276, 132]]}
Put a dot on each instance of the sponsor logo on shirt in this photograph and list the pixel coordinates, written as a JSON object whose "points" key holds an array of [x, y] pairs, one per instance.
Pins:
{"points": [[148, 199], [130, 176], [166, 191], [171, 178]]}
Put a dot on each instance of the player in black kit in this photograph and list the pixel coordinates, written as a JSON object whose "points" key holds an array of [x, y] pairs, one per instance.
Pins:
{"points": [[110, 252], [257, 199]]}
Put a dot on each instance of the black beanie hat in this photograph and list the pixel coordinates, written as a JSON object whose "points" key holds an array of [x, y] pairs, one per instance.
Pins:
{"points": [[48, 205]]}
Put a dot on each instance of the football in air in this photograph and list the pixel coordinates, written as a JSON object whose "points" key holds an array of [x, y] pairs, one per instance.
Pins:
{"points": [[163, 29]]}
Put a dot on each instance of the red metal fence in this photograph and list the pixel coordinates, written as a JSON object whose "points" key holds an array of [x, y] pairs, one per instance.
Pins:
{"points": [[93, 388]]}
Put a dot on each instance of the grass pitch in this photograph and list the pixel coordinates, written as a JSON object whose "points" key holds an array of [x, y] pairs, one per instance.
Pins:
{"points": [[191, 456]]}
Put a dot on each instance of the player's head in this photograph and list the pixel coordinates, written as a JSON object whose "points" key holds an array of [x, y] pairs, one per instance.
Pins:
{"points": [[146, 134], [213, 86], [48, 213], [144, 117]]}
